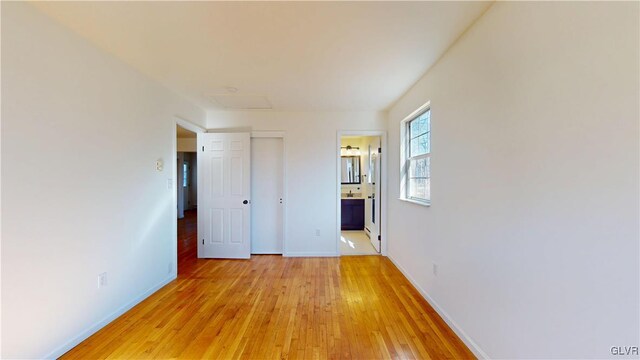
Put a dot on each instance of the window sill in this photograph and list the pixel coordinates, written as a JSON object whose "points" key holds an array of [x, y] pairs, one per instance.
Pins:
{"points": [[417, 202]]}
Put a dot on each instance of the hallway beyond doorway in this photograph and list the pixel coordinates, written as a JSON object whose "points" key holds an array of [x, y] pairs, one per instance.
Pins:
{"points": [[187, 242]]}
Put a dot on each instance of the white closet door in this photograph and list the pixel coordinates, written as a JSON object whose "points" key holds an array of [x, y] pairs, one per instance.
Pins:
{"points": [[267, 168]]}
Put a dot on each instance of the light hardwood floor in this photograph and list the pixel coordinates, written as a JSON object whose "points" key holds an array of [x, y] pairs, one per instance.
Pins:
{"points": [[270, 307]]}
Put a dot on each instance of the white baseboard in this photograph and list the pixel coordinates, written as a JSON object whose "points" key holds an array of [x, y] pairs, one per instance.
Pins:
{"points": [[102, 323], [310, 254], [477, 351]]}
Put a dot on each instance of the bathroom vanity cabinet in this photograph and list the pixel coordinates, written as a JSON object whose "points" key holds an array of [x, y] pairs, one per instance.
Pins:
{"points": [[352, 214]]}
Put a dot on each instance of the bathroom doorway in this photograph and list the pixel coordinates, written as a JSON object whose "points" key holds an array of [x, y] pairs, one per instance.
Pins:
{"points": [[360, 197]]}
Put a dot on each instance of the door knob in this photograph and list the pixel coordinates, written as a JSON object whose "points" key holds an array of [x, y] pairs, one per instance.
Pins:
{"points": [[245, 202]]}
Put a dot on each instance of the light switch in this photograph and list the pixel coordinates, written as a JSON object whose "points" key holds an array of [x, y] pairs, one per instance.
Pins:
{"points": [[169, 184]]}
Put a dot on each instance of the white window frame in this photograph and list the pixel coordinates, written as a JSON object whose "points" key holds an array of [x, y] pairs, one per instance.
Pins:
{"points": [[405, 158]]}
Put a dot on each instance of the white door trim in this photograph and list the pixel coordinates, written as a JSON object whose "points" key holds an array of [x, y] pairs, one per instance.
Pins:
{"points": [[383, 187], [172, 181], [281, 135], [189, 125], [267, 134]]}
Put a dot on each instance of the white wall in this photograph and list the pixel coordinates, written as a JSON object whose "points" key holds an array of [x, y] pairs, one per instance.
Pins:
{"points": [[534, 222], [310, 163], [81, 133]]}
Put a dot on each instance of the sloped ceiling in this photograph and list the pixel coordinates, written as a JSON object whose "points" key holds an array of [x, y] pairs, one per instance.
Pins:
{"points": [[325, 56]]}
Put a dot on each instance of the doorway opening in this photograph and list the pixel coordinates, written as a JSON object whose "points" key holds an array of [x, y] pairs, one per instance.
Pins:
{"points": [[186, 185], [360, 194]]}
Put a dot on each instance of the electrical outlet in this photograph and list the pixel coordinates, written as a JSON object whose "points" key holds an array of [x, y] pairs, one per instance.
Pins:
{"points": [[317, 232], [102, 280], [435, 269]]}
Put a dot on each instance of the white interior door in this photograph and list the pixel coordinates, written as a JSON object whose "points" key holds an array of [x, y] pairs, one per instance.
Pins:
{"points": [[375, 229], [224, 210], [267, 168]]}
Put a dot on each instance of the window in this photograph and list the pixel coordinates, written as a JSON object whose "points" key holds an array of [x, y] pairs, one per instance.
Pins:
{"points": [[416, 168], [185, 174]]}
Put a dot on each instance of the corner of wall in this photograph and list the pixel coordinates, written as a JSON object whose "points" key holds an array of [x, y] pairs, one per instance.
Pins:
{"points": [[471, 344], [58, 352]]}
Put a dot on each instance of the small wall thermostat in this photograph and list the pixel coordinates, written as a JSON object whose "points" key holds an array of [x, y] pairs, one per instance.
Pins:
{"points": [[159, 165]]}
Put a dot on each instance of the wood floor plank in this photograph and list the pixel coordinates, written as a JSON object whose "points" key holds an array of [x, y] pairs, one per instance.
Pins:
{"points": [[271, 307]]}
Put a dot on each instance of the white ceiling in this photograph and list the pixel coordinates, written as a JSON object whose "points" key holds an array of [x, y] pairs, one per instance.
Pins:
{"points": [[299, 55]]}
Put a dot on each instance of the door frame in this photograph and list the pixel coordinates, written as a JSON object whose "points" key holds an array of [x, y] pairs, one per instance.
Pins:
{"points": [[173, 181], [279, 135], [383, 187]]}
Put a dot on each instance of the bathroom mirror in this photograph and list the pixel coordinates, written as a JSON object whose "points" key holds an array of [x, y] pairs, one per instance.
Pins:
{"points": [[350, 169]]}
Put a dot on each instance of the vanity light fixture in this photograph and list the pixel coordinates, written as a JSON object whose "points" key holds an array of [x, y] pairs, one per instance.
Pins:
{"points": [[349, 151]]}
